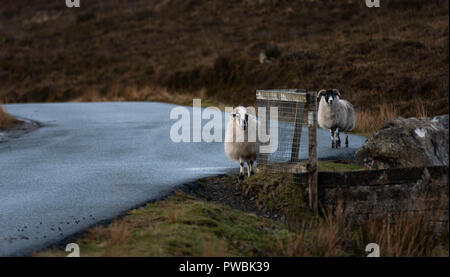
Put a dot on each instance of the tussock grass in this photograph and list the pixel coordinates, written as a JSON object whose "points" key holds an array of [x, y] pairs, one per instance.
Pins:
{"points": [[403, 235], [323, 237], [335, 234], [147, 93], [281, 193], [134, 93], [408, 234], [368, 121]]}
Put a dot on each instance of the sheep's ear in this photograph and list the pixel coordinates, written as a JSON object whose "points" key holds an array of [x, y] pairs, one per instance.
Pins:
{"points": [[336, 92]]}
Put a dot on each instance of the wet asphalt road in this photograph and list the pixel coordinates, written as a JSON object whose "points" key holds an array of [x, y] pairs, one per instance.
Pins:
{"points": [[92, 161]]}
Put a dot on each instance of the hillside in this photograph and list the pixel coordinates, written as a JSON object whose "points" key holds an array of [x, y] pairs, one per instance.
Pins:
{"points": [[388, 61]]}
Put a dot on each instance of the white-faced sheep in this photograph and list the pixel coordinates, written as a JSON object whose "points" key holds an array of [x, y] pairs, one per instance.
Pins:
{"points": [[335, 114], [238, 146]]}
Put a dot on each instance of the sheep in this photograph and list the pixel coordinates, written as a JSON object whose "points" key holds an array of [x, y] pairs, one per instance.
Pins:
{"points": [[335, 114], [238, 146]]}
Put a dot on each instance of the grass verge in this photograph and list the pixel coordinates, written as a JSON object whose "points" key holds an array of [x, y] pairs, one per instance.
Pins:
{"points": [[281, 194], [188, 225], [181, 226]]}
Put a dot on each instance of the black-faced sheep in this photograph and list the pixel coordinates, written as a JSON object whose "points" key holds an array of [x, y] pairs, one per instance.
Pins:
{"points": [[238, 146], [335, 114]]}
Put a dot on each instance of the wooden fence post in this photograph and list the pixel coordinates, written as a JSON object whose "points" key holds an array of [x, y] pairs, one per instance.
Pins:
{"points": [[312, 152], [305, 105]]}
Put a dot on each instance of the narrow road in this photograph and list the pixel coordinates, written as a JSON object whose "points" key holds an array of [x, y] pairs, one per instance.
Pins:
{"points": [[92, 161]]}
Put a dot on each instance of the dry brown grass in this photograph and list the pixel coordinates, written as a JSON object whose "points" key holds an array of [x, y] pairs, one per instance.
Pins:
{"points": [[410, 233], [338, 233], [400, 236], [214, 249], [368, 121], [171, 216], [113, 238], [6, 120], [403, 235], [134, 93], [314, 238]]}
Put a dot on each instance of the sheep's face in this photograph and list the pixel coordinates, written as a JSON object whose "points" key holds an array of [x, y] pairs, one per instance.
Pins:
{"points": [[330, 95], [240, 114]]}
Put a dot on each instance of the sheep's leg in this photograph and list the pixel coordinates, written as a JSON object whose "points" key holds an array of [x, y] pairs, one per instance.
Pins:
{"points": [[241, 169], [250, 168], [338, 139], [346, 141], [332, 138]]}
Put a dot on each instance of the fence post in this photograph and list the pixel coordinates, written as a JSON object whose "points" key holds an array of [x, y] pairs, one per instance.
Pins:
{"points": [[312, 152]]}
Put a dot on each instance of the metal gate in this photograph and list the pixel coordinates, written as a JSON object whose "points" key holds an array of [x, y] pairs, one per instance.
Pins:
{"points": [[296, 152]]}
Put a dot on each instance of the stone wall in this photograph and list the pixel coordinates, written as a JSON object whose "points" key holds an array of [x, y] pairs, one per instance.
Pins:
{"points": [[387, 191]]}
